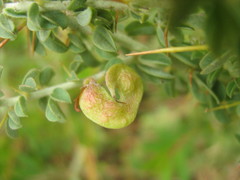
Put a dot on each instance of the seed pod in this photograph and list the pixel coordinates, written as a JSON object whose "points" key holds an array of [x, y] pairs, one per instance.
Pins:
{"points": [[117, 107]]}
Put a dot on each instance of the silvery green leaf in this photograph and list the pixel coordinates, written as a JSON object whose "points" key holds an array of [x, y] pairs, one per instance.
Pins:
{"points": [[102, 38], [53, 113], [61, 95], [155, 72], [46, 75], [84, 17], [20, 107], [13, 120], [6, 28], [29, 85]]}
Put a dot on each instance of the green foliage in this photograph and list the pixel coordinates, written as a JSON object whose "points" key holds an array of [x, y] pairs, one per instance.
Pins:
{"points": [[93, 36], [6, 28]]}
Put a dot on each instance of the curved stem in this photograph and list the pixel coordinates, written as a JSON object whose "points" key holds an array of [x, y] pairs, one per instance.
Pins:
{"points": [[47, 91]]}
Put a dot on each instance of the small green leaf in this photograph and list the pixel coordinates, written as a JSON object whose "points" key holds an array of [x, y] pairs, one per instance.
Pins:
{"points": [[221, 115], [43, 35], [199, 93], [76, 66], [73, 77], [184, 58], [54, 44], [233, 67], [6, 28], [33, 17], [33, 73], [102, 38], [35, 21], [13, 120], [39, 48], [160, 36], [29, 85], [137, 28], [155, 72], [216, 64], [204, 85], [77, 42], [20, 107], [155, 59], [43, 103], [56, 17], [14, 13], [1, 70], [10, 132], [53, 112], [76, 4], [61, 95], [84, 17], [104, 54], [231, 86], [212, 77], [46, 75]]}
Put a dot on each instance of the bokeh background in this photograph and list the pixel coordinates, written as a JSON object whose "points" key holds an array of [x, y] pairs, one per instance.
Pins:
{"points": [[172, 138]]}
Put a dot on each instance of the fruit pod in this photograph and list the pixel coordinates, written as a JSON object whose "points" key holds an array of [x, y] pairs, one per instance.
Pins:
{"points": [[116, 107]]}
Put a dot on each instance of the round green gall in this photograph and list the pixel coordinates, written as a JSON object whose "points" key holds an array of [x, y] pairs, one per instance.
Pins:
{"points": [[116, 107]]}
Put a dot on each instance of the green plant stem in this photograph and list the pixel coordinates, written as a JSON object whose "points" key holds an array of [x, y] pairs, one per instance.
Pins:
{"points": [[171, 50], [47, 91], [62, 5]]}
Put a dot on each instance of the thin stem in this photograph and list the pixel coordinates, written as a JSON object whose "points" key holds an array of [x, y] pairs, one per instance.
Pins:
{"points": [[171, 50], [3, 42], [47, 91], [225, 106]]}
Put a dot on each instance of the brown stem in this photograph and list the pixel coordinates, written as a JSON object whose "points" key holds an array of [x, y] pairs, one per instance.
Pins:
{"points": [[166, 36], [3, 42]]}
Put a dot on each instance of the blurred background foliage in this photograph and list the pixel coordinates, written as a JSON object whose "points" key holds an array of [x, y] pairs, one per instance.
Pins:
{"points": [[172, 138]]}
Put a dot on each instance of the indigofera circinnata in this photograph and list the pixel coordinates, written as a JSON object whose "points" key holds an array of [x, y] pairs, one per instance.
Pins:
{"points": [[117, 107]]}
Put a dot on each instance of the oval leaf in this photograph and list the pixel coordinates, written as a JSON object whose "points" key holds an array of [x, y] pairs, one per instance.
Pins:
{"points": [[231, 86], [10, 132], [6, 28], [20, 107], [54, 44], [102, 38], [84, 17], [56, 17], [155, 59], [61, 95], [29, 85], [53, 113], [46, 75], [155, 72], [13, 121]]}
